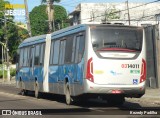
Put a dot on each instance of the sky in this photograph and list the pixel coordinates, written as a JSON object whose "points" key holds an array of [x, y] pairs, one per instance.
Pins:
{"points": [[67, 4]]}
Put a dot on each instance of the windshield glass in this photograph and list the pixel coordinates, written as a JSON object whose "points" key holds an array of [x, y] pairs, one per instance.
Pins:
{"points": [[116, 38]]}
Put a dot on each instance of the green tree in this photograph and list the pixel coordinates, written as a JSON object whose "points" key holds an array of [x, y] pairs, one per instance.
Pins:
{"points": [[10, 32], [38, 19]]}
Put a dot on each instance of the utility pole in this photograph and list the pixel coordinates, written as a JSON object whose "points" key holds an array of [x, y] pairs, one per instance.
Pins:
{"points": [[27, 18], [2, 63], [3, 49], [49, 15], [128, 13], [7, 50]]}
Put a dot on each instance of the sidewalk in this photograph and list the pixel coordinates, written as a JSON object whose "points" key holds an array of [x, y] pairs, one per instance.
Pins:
{"points": [[12, 81], [151, 96]]}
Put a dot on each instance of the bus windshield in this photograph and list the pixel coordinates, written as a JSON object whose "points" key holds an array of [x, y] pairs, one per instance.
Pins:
{"points": [[116, 38]]}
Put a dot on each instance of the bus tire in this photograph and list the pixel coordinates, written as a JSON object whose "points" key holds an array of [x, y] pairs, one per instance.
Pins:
{"points": [[36, 91], [22, 90], [68, 97]]}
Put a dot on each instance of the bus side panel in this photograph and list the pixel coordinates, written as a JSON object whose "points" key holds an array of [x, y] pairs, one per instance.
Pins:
{"points": [[73, 73], [24, 76], [68, 76], [53, 79], [38, 75], [78, 82]]}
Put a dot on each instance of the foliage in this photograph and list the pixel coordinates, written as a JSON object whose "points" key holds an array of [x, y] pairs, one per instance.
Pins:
{"points": [[38, 19], [109, 14], [11, 32], [12, 73], [1, 74]]}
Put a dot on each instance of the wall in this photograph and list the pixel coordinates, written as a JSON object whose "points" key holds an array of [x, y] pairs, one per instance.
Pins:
{"points": [[95, 12]]}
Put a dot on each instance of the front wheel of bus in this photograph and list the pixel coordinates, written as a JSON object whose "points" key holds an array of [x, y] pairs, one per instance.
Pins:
{"points": [[69, 100], [37, 90], [22, 90]]}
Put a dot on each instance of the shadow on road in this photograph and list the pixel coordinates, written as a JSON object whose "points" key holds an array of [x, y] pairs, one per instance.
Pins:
{"points": [[95, 103]]}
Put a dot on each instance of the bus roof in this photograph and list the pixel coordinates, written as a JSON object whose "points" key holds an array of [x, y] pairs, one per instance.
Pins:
{"points": [[54, 35], [33, 40], [61, 33]]}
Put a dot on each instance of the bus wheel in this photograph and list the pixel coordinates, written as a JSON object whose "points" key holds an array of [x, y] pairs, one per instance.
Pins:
{"points": [[36, 90], [22, 90], [69, 100]]}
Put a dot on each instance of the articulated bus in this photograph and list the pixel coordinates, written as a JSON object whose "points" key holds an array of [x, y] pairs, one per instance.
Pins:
{"points": [[85, 61]]}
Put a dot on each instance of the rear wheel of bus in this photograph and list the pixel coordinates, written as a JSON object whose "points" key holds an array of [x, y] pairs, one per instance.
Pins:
{"points": [[68, 97], [37, 94], [22, 90]]}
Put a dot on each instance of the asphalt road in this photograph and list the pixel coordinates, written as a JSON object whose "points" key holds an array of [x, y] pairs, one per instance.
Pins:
{"points": [[50, 104]]}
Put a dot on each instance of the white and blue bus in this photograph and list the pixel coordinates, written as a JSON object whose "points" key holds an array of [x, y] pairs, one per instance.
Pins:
{"points": [[105, 60]]}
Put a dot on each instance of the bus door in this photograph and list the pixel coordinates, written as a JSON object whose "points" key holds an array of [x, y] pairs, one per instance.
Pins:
{"points": [[32, 50], [61, 65]]}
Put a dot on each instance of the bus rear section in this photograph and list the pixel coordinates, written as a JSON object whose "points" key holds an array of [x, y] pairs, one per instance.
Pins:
{"points": [[116, 62]]}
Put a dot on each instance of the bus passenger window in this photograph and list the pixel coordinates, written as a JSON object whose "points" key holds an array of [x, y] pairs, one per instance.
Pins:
{"points": [[73, 49], [51, 53], [41, 54], [25, 56], [31, 56], [80, 44], [56, 52], [21, 58], [68, 53], [36, 57]]}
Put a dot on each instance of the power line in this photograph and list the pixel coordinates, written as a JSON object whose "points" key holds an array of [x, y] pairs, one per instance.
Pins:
{"points": [[124, 9], [72, 2], [147, 15]]}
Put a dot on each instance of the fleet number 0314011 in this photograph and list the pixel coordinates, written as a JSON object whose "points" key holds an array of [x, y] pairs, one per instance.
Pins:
{"points": [[130, 65]]}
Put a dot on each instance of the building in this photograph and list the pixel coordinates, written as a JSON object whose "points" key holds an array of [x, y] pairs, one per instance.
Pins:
{"points": [[140, 13], [147, 15]]}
